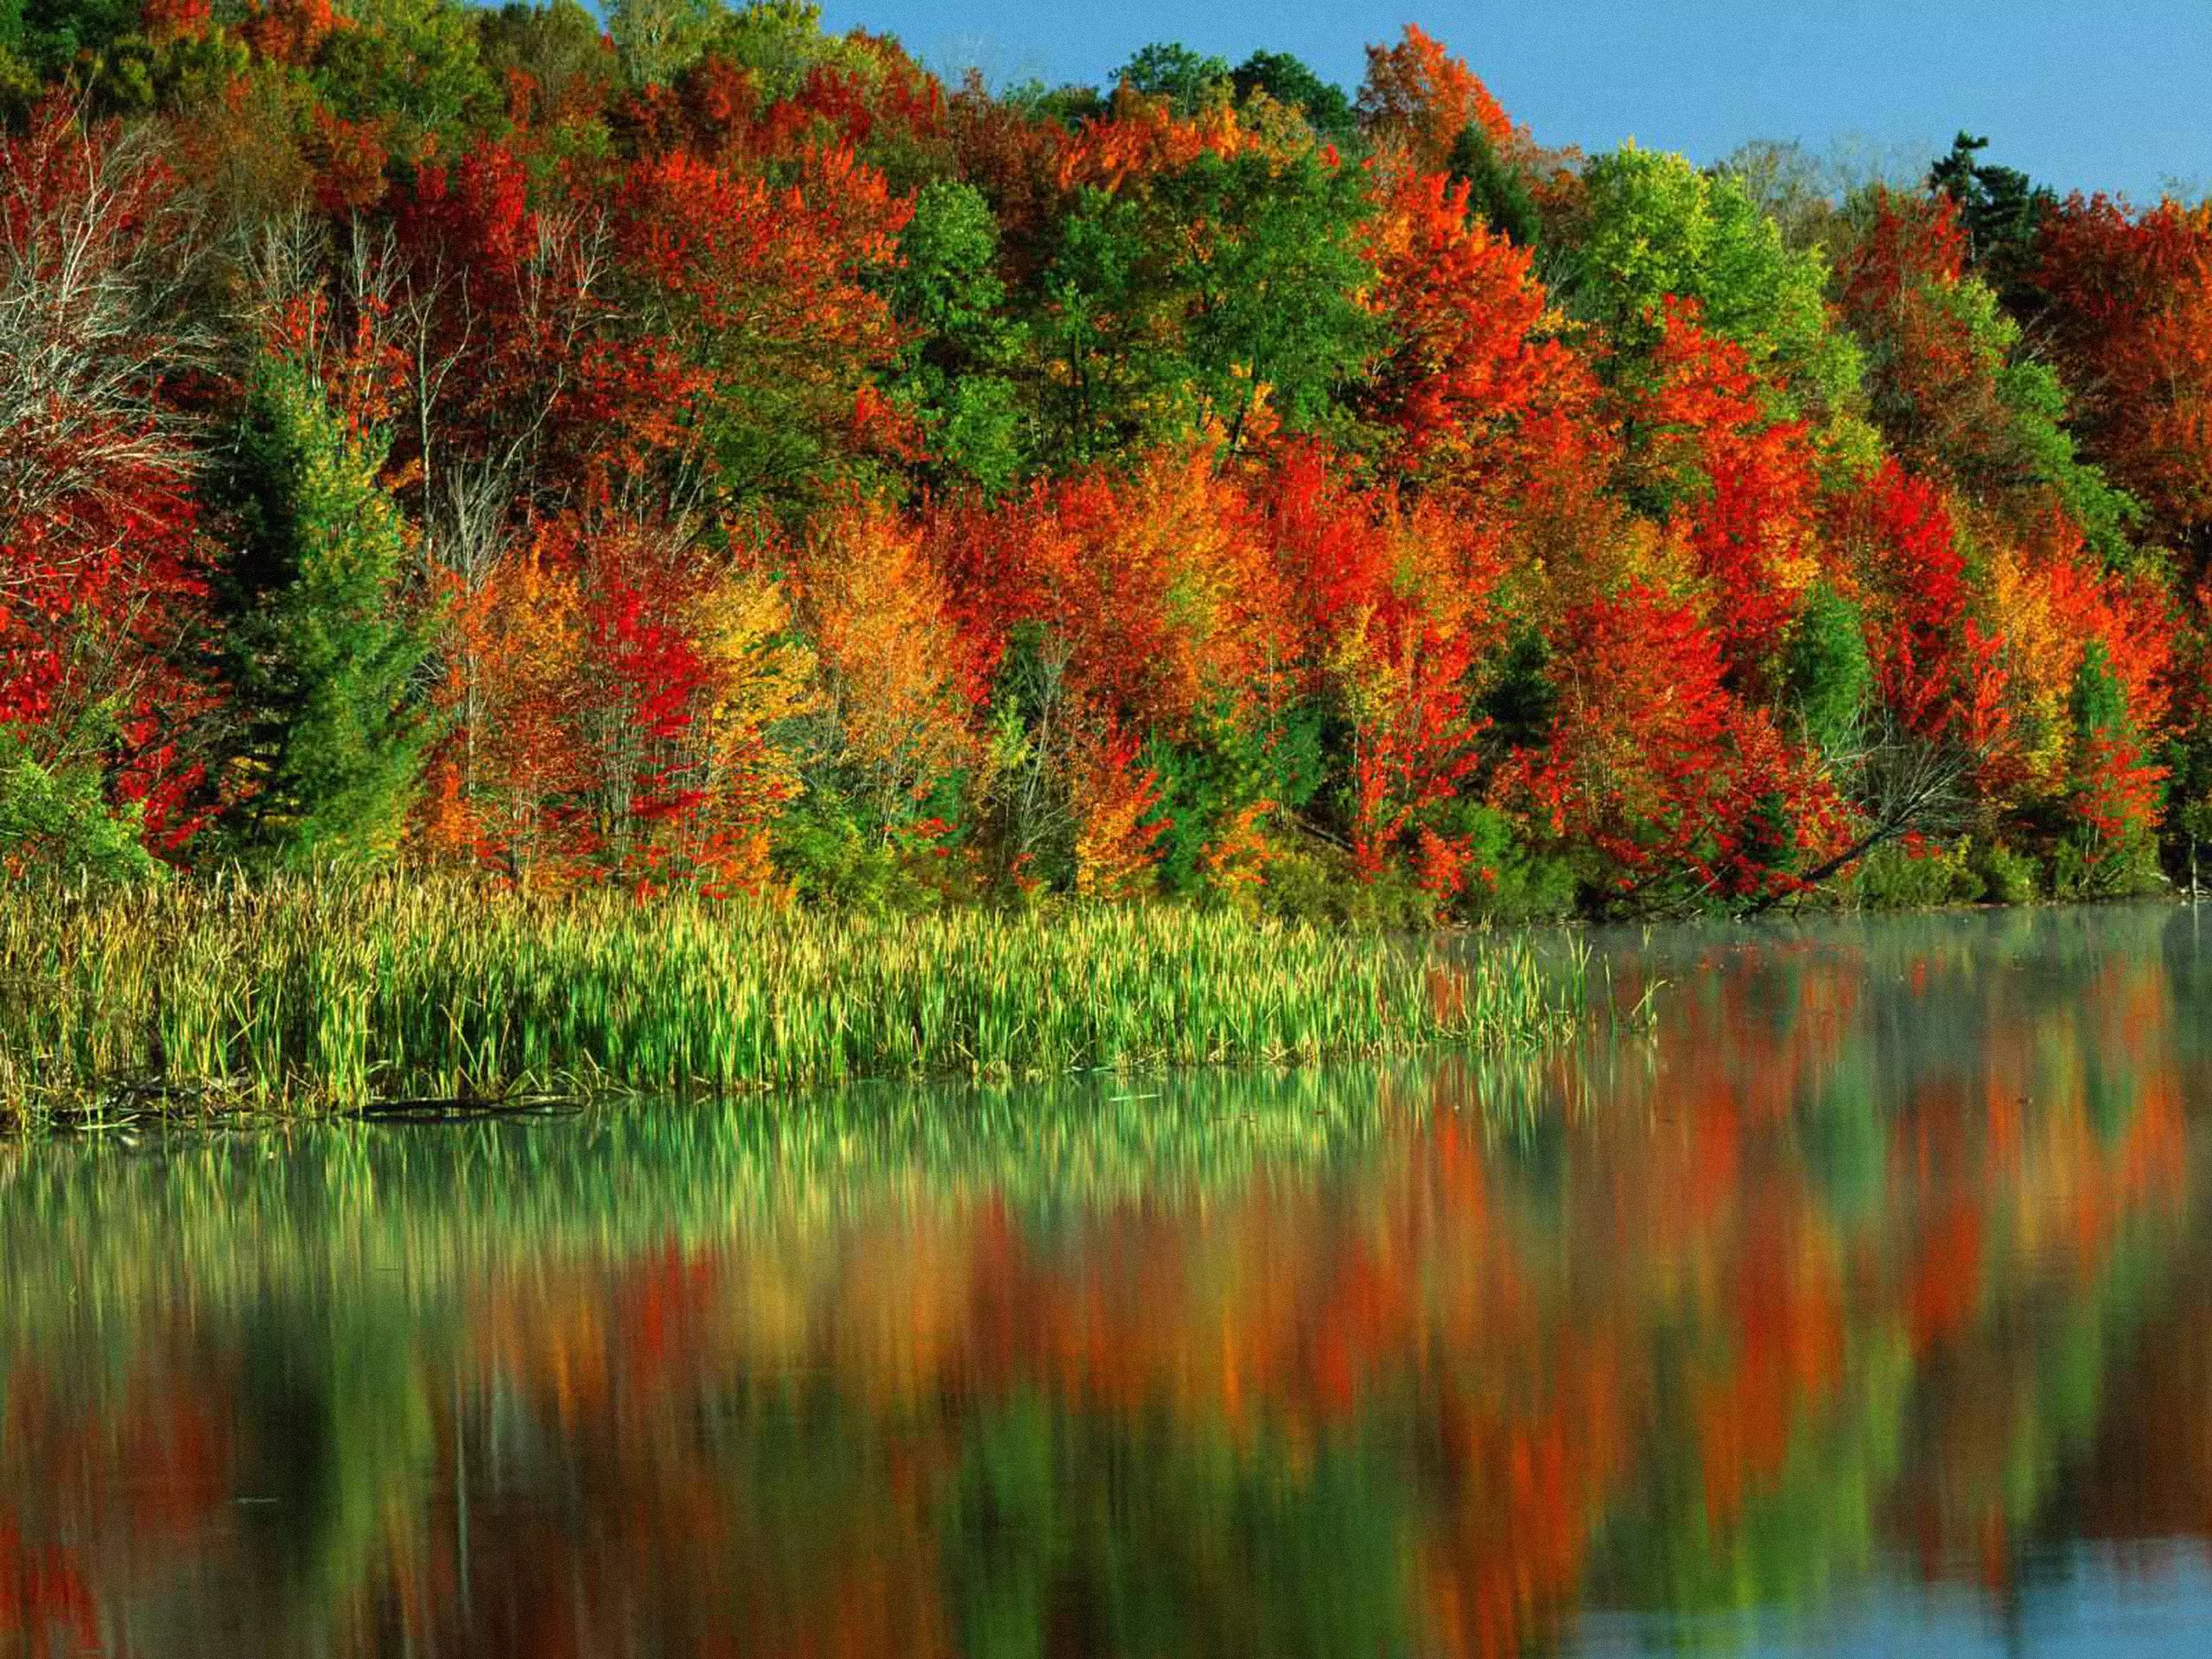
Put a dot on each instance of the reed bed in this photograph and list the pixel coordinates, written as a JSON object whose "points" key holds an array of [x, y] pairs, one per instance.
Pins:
{"points": [[298, 995]]}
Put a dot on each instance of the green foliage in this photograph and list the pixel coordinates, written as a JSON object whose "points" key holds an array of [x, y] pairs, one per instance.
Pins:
{"points": [[556, 45], [2001, 208], [1508, 881], [1658, 227], [954, 374], [658, 40], [325, 654], [1521, 695], [1188, 80], [1325, 105], [1916, 876], [2189, 801], [1054, 1509], [1314, 884], [831, 857], [1827, 672], [2007, 877], [1999, 422], [1496, 194], [55, 821], [2106, 515], [1203, 782], [48, 36], [1222, 282], [412, 65], [1065, 106], [2084, 873], [2097, 705], [780, 41], [19, 83]]}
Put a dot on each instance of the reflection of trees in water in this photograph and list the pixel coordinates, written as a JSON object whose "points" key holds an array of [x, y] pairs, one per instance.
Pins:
{"points": [[1857, 1255]]}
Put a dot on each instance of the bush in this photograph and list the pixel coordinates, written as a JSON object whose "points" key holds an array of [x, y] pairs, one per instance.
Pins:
{"points": [[1509, 881], [2006, 877], [2080, 869], [1915, 875], [56, 822], [828, 858]]}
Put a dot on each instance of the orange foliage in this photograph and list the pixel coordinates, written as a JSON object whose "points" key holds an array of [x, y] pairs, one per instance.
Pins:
{"points": [[612, 693], [1141, 137], [878, 611], [1418, 99], [1471, 386], [1115, 800]]}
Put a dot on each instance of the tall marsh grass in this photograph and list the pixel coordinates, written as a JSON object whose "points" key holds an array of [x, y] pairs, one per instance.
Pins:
{"points": [[294, 994]]}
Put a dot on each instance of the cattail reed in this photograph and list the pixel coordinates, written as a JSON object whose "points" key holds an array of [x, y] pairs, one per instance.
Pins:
{"points": [[297, 995]]}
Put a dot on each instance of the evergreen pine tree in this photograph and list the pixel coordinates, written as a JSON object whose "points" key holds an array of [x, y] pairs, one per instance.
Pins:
{"points": [[1827, 671], [326, 652], [1496, 193]]}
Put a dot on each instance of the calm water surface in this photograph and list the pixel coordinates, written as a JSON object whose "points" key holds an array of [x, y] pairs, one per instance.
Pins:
{"points": [[1864, 1307]]}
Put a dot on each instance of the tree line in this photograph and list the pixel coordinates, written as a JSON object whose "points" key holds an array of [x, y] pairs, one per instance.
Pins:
{"points": [[707, 450]]}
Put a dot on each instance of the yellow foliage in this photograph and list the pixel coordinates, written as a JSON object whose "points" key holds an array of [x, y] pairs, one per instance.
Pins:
{"points": [[763, 678], [889, 652]]}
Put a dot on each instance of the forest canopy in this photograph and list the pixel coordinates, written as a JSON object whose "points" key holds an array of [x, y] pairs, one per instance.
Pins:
{"points": [[707, 450]]}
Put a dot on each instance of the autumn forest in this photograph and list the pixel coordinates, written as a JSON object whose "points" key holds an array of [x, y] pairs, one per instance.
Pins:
{"points": [[701, 451]]}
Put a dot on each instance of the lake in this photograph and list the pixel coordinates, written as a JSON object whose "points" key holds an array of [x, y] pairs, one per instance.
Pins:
{"points": [[1865, 1305]]}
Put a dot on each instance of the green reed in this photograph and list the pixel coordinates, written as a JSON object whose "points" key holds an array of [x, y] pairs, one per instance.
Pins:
{"points": [[300, 994]]}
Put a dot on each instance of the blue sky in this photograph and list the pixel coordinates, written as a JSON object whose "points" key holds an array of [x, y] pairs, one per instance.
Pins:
{"points": [[2114, 96]]}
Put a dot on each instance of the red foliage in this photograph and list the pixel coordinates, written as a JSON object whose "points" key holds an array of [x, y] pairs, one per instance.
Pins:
{"points": [[1656, 767], [289, 31], [102, 572], [1934, 669], [163, 21], [1394, 608], [2130, 313], [1751, 486]]}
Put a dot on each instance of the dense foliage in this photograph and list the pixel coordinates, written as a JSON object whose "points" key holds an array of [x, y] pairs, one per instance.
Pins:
{"points": [[717, 452]]}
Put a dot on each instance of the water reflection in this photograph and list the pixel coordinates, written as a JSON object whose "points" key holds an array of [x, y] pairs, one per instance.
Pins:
{"points": [[1867, 1303]]}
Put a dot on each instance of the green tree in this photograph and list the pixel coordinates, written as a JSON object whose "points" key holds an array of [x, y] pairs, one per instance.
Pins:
{"points": [[325, 654], [656, 39], [412, 65], [56, 819], [48, 35], [1187, 79], [1496, 193], [2001, 208], [952, 374], [556, 45], [1658, 227], [1195, 295], [1325, 105], [780, 41], [1827, 672]]}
